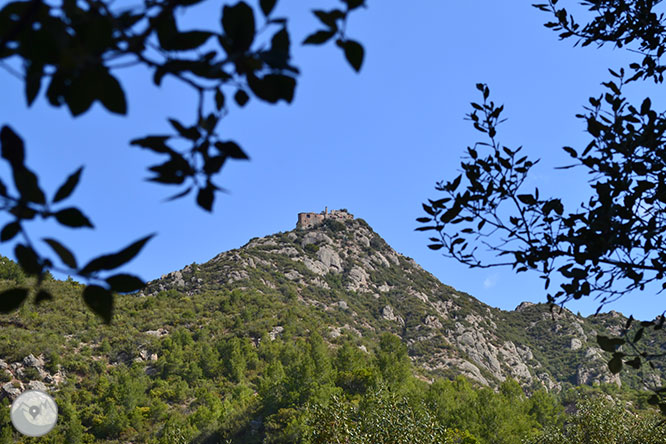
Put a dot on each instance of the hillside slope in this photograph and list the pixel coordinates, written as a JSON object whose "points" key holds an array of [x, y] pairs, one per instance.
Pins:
{"points": [[348, 279]]}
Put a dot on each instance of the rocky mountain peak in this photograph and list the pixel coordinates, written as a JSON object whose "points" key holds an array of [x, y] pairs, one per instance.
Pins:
{"points": [[341, 273]]}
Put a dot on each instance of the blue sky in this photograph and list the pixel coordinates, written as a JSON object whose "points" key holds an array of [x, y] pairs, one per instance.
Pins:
{"points": [[374, 142]]}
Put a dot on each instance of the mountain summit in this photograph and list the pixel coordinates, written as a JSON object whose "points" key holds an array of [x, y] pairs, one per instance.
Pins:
{"points": [[335, 274]]}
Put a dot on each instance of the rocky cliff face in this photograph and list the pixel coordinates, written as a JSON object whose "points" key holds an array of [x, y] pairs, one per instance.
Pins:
{"points": [[359, 286]]}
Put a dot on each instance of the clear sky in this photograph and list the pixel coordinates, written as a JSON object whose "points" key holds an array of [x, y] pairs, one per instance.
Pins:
{"points": [[374, 142]]}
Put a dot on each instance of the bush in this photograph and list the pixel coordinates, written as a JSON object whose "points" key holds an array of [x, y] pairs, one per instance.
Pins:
{"points": [[31, 373], [334, 225], [10, 270], [311, 248], [599, 420]]}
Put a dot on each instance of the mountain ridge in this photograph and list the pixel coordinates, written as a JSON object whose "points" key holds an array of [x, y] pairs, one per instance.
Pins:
{"points": [[359, 286]]}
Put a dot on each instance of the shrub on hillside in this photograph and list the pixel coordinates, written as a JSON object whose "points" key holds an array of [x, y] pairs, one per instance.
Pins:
{"points": [[10, 270]]}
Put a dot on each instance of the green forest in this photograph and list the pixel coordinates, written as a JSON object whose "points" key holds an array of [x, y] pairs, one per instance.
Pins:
{"points": [[218, 373]]}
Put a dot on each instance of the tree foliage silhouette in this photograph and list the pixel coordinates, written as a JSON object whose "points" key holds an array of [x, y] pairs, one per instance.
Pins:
{"points": [[613, 244], [70, 51]]}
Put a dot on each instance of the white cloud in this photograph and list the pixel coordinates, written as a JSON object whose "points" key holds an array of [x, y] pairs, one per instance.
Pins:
{"points": [[491, 281]]}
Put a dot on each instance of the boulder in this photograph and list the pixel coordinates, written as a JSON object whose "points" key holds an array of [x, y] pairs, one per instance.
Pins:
{"points": [[31, 361], [37, 385], [329, 257]]}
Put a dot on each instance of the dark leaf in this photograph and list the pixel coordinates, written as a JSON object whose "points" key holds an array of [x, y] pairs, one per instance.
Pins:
{"points": [[238, 25], [84, 89], [267, 6], [527, 199], [28, 186], [66, 188], [319, 37], [645, 106], [609, 344], [23, 212], [219, 99], [353, 4], [435, 246], [231, 149], [63, 252], [635, 363], [100, 301], [153, 143], [594, 127], [125, 283], [111, 94], [455, 184], [450, 214], [42, 295], [12, 147], [615, 364], [205, 197], [9, 231], [354, 53], [72, 217], [639, 334], [179, 195], [214, 164], [11, 299], [241, 97], [27, 259], [273, 87], [278, 56], [572, 152], [187, 41], [191, 133], [115, 260], [427, 209], [329, 18], [33, 81], [165, 27]]}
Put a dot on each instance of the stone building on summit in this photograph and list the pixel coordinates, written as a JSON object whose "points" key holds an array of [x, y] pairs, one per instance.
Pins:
{"points": [[309, 220]]}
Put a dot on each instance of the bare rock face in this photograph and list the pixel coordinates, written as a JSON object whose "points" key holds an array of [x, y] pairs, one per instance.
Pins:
{"points": [[293, 275], [157, 333], [576, 344], [594, 369], [548, 382], [275, 332], [479, 349], [389, 315], [31, 361], [316, 237], [513, 360], [10, 391], [465, 368], [652, 381], [315, 267], [330, 258], [37, 385], [432, 322], [358, 279]]}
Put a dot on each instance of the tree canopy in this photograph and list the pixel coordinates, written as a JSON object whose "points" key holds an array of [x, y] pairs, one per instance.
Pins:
{"points": [[609, 246], [70, 50]]}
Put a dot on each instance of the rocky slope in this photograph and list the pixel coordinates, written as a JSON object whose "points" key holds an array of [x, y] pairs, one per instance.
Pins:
{"points": [[353, 283]]}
